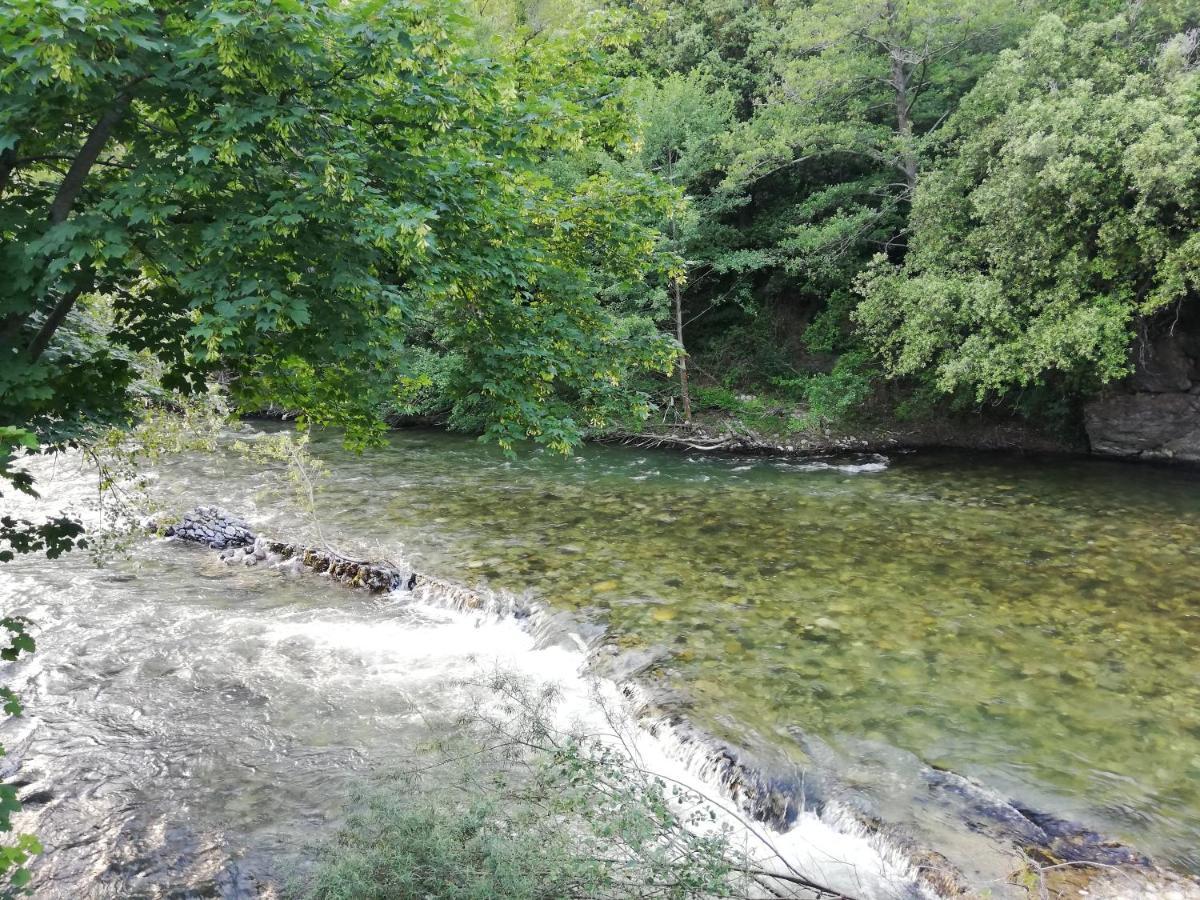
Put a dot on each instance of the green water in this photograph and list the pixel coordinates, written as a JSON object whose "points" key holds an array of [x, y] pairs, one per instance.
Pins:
{"points": [[1034, 625]]}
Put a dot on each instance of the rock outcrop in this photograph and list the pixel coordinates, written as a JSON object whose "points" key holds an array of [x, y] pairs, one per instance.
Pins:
{"points": [[1155, 412]]}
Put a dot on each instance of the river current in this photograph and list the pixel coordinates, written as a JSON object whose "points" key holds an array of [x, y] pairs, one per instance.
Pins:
{"points": [[1031, 626]]}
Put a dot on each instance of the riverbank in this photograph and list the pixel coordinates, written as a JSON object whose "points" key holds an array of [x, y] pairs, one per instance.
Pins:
{"points": [[1153, 415], [716, 432], [719, 433], [761, 429]]}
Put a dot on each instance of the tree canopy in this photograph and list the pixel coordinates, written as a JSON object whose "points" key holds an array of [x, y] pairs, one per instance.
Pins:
{"points": [[1064, 211], [286, 192], [508, 212]]}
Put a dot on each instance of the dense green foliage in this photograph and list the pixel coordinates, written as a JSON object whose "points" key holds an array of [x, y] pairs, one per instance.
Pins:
{"points": [[502, 213], [863, 210], [290, 192], [1065, 211], [835, 106], [290, 196]]}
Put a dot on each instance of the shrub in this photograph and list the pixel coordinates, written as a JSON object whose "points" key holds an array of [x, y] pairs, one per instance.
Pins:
{"points": [[513, 807], [838, 396]]}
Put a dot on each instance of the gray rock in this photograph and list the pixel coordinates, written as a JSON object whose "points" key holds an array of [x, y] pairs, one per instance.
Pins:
{"points": [[1162, 366], [207, 525], [1150, 425]]}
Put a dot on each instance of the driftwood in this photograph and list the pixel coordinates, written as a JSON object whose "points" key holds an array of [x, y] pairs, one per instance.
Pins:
{"points": [[732, 440], [651, 441]]}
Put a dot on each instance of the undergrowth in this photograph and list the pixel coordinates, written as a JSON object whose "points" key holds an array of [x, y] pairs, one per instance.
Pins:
{"points": [[512, 806]]}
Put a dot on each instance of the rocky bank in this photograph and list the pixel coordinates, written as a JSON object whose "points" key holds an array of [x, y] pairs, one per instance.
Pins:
{"points": [[1155, 413]]}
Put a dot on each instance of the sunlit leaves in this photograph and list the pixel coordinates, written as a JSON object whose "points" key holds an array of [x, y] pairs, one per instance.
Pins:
{"points": [[1065, 211], [293, 186]]}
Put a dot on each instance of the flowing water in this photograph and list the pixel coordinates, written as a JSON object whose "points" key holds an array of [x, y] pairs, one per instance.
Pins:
{"points": [[1033, 626]]}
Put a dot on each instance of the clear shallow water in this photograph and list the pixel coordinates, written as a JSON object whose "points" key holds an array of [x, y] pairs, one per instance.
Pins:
{"points": [[1032, 625], [1035, 625], [194, 729]]}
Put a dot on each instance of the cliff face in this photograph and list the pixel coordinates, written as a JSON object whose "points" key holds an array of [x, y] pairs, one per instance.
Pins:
{"points": [[1155, 413]]}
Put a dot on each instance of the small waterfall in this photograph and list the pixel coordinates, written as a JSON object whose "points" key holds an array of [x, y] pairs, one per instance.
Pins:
{"points": [[782, 816], [772, 817]]}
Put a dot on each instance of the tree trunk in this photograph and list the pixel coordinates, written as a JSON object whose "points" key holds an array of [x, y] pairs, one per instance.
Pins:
{"points": [[677, 296], [683, 377], [8, 162], [60, 208], [41, 340], [11, 323], [901, 81], [72, 183]]}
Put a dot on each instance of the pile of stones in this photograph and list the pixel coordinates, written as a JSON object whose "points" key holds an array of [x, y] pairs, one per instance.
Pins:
{"points": [[210, 526], [214, 528]]}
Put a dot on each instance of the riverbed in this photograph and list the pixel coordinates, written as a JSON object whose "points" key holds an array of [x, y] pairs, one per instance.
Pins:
{"points": [[1029, 626]]}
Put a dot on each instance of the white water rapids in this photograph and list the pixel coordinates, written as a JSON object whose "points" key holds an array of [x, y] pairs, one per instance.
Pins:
{"points": [[192, 727]]}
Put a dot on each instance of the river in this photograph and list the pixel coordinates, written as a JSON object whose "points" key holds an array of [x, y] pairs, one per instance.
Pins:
{"points": [[872, 629]]}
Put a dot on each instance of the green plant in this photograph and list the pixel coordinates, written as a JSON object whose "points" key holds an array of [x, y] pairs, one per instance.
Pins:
{"points": [[290, 193], [1063, 215], [717, 397], [513, 806], [836, 397], [745, 350], [16, 849]]}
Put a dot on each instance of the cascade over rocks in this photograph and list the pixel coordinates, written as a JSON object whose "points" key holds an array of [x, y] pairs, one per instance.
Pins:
{"points": [[776, 795], [1043, 836], [763, 793]]}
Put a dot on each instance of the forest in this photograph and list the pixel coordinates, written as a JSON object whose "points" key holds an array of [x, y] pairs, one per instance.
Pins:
{"points": [[536, 220], [550, 222]]}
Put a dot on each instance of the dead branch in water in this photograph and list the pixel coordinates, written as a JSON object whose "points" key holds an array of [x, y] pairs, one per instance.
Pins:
{"points": [[651, 441]]}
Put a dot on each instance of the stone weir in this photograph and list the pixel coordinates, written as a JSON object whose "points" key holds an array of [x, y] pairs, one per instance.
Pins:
{"points": [[771, 797], [776, 795], [239, 544]]}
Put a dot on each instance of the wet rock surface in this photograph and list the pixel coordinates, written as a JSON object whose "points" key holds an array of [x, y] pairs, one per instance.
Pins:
{"points": [[240, 545], [1046, 837], [776, 795], [374, 577], [213, 528], [1146, 425]]}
